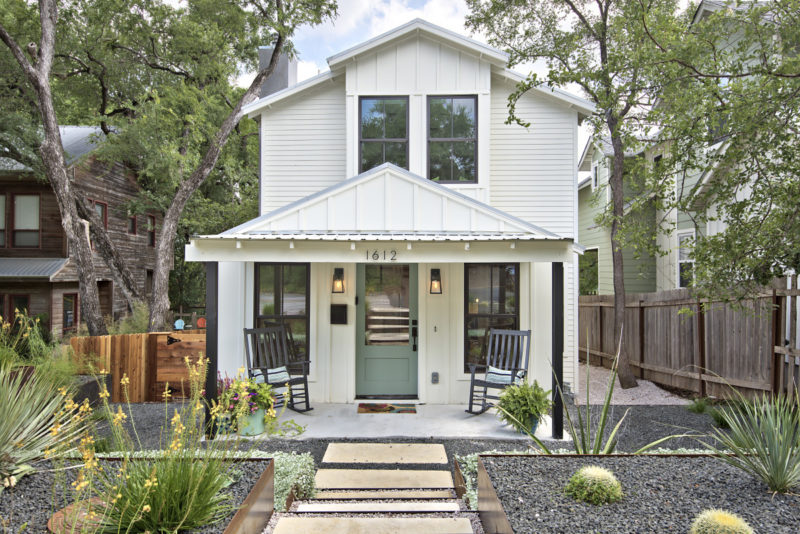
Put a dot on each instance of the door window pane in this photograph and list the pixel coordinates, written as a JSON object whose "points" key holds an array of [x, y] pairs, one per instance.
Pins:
{"points": [[386, 292], [294, 290], [26, 220], [491, 294], [383, 131]]}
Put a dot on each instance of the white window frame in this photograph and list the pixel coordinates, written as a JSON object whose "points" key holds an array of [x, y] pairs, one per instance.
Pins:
{"points": [[595, 180], [678, 261]]}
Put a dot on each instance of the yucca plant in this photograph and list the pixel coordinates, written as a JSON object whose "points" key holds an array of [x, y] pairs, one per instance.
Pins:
{"points": [[38, 418], [762, 439]]}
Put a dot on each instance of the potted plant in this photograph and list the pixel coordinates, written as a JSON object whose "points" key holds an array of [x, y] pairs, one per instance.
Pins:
{"points": [[524, 405], [247, 404]]}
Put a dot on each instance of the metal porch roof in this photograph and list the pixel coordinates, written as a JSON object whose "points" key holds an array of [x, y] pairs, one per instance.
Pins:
{"points": [[30, 267]]}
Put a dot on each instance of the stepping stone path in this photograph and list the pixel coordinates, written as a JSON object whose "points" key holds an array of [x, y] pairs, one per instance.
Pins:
{"points": [[381, 496]]}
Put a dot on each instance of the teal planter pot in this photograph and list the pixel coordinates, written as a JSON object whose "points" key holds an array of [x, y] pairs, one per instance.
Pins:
{"points": [[253, 424]]}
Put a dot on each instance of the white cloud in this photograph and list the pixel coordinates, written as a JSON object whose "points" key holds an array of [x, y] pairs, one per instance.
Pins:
{"points": [[308, 69]]}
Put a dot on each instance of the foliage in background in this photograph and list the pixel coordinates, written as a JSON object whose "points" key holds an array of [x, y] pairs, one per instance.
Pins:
{"points": [[698, 405], [134, 323], [594, 485], [719, 522], [523, 403], [24, 341], [588, 268], [39, 418], [762, 439]]}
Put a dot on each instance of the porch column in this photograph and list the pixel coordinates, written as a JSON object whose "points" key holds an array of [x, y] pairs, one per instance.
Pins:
{"points": [[558, 348], [212, 269]]}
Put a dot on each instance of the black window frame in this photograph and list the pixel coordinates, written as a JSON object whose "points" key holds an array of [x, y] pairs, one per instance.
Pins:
{"points": [[449, 139], [280, 318], [468, 316], [361, 140], [75, 307]]}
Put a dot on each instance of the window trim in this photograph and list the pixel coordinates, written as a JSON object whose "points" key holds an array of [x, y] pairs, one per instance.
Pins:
{"points": [[678, 261], [595, 181], [151, 230], [75, 311], [449, 139], [405, 140], [135, 225], [95, 202], [4, 222], [463, 365], [279, 281], [13, 215]]}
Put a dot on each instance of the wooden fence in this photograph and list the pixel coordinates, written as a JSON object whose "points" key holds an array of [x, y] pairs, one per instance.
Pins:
{"points": [[149, 361], [754, 348]]}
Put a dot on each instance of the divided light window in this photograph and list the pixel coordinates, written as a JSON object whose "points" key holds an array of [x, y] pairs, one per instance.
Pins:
{"points": [[452, 139], [383, 131], [685, 261], [491, 292], [282, 297], [26, 221]]}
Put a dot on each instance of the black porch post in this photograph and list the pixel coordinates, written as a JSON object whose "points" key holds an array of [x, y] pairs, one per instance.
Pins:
{"points": [[212, 272], [558, 349]]}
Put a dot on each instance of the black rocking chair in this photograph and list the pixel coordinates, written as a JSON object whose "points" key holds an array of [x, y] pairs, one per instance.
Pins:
{"points": [[506, 364], [269, 356]]}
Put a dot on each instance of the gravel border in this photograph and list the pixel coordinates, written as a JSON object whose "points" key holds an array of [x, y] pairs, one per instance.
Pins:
{"points": [[662, 494], [34, 499]]}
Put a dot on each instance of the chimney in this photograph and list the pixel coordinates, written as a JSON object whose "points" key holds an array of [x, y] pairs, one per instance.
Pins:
{"points": [[285, 74]]}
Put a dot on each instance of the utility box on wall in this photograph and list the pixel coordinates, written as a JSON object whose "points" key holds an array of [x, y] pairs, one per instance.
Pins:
{"points": [[338, 313]]}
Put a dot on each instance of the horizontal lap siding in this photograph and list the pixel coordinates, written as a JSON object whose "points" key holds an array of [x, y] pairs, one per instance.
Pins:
{"points": [[533, 170], [303, 146]]}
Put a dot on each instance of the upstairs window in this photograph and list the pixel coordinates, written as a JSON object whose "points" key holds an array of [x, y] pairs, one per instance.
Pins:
{"points": [[685, 261], [151, 230], [2, 220], [101, 209], [132, 225], [452, 139], [383, 132], [594, 177], [26, 221]]}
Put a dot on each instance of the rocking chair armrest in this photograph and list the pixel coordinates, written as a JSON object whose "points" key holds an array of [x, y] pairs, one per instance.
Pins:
{"points": [[473, 368], [306, 364]]}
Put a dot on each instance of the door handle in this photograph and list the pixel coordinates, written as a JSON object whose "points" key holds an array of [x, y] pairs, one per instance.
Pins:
{"points": [[414, 334]]}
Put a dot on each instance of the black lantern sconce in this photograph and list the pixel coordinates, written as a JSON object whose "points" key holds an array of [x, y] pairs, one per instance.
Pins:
{"points": [[436, 282], [338, 280]]}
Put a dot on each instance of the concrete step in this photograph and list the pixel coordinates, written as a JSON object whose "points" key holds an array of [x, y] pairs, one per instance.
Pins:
{"points": [[383, 494], [385, 453], [377, 507], [382, 479], [372, 525]]}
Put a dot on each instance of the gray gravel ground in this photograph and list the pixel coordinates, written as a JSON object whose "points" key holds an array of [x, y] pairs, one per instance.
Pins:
{"points": [[37, 497], [662, 494]]}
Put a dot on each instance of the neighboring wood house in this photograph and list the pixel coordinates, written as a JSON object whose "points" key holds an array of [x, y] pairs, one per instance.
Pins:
{"points": [[36, 270], [402, 217]]}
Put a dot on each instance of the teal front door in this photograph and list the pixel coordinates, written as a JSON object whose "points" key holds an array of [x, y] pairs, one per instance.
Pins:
{"points": [[386, 330]]}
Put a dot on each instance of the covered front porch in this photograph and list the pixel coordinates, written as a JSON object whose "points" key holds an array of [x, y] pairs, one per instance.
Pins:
{"points": [[389, 283]]}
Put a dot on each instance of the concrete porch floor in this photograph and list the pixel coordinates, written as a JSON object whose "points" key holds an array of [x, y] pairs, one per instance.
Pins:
{"points": [[438, 421]]}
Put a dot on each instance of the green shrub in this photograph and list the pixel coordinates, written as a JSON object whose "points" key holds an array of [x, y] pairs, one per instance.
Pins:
{"points": [[763, 439], [38, 418], [136, 322], [719, 418], [719, 522], [296, 471], [522, 405], [698, 405], [594, 485]]}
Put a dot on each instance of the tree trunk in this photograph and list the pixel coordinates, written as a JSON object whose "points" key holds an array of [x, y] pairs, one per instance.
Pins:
{"points": [[626, 378], [51, 151], [159, 302]]}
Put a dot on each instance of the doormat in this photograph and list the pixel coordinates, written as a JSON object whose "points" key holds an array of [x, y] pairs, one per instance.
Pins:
{"points": [[364, 407]]}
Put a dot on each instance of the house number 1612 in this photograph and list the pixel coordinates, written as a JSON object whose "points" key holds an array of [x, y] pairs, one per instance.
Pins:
{"points": [[385, 255]]}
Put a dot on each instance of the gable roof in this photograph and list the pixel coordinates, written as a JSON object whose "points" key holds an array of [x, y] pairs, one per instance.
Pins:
{"points": [[388, 203], [76, 140], [497, 58]]}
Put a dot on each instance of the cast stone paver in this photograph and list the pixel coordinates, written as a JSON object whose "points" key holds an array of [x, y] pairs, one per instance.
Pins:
{"points": [[385, 453], [382, 479], [383, 494], [378, 507], [373, 525]]}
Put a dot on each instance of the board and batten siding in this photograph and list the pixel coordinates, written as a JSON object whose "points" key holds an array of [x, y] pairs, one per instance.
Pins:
{"points": [[302, 145], [533, 171]]}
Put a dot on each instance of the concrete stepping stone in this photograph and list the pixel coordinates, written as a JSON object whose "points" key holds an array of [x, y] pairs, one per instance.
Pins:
{"points": [[378, 507], [383, 494], [372, 525], [385, 453], [382, 479]]}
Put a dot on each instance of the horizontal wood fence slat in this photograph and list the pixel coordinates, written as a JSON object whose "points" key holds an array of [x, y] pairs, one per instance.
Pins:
{"points": [[149, 360], [752, 348]]}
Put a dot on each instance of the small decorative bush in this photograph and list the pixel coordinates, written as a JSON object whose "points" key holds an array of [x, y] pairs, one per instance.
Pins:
{"points": [[595, 485], [698, 405], [719, 522], [524, 405], [296, 471]]}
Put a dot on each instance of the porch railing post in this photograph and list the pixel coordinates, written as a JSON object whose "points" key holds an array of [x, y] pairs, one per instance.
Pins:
{"points": [[558, 348], [212, 275]]}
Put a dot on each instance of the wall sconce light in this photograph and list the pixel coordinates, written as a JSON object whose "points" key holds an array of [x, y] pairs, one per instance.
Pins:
{"points": [[436, 282], [338, 280]]}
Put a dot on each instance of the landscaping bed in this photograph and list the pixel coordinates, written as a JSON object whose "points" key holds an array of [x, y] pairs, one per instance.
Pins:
{"points": [[38, 496], [661, 494]]}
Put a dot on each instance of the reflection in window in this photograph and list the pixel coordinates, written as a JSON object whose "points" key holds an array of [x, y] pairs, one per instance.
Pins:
{"points": [[70, 311], [26, 221], [386, 292], [452, 139], [383, 124], [282, 297], [685, 260], [492, 296]]}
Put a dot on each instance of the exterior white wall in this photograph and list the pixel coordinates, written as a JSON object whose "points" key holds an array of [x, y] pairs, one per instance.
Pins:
{"points": [[302, 145], [533, 170], [234, 288]]}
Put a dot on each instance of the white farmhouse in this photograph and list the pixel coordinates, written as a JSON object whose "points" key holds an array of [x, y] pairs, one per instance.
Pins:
{"points": [[401, 217]]}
